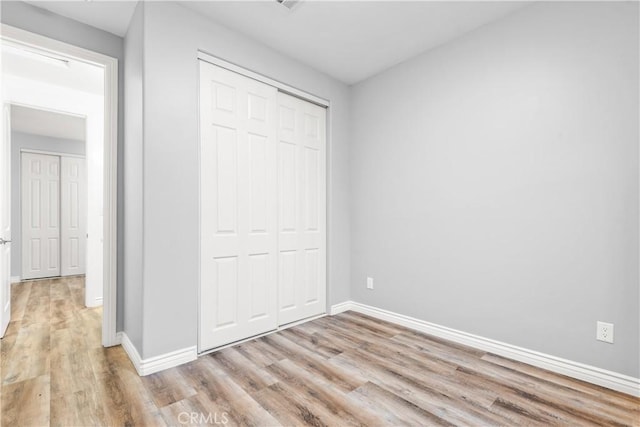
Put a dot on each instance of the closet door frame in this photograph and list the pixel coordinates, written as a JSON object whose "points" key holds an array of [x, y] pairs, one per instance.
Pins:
{"points": [[305, 96], [61, 245]]}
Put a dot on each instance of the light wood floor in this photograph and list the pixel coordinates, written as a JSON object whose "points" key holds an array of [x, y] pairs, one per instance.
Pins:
{"points": [[336, 371]]}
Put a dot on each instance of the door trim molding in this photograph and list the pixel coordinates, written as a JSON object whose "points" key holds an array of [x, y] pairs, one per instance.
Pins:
{"points": [[570, 368], [110, 65], [282, 87], [51, 153]]}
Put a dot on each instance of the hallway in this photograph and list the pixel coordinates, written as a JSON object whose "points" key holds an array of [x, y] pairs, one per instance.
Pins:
{"points": [[52, 352]]}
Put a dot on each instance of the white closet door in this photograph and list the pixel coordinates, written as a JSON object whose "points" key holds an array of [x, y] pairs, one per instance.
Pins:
{"points": [[73, 216], [40, 215], [238, 207], [302, 209]]}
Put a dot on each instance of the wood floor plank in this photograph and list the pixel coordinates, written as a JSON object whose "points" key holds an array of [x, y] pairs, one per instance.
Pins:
{"points": [[325, 393], [168, 387], [37, 310], [196, 410], [26, 403], [19, 297], [29, 357], [297, 409], [314, 364], [316, 342], [368, 323], [611, 397], [343, 370], [248, 375], [215, 385], [394, 409], [429, 397], [251, 352]]}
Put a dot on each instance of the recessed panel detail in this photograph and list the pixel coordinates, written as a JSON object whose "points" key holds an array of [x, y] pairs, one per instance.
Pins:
{"points": [[226, 304], [257, 107], [54, 168], [258, 146], [224, 97], [226, 180], [34, 245], [311, 270], [312, 190], [287, 279], [288, 187], [54, 200], [35, 167], [74, 252], [311, 126], [287, 118], [35, 204], [54, 249], [74, 209], [258, 284]]}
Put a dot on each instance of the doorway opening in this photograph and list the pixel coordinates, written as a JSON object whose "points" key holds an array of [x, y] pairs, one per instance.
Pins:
{"points": [[59, 140]]}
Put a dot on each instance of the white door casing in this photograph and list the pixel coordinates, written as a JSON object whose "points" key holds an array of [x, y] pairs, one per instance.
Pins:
{"points": [[302, 209], [238, 207], [40, 194], [106, 114], [73, 215], [5, 219]]}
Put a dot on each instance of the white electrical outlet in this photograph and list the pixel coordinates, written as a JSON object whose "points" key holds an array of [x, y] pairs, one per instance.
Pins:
{"points": [[369, 282], [605, 332]]}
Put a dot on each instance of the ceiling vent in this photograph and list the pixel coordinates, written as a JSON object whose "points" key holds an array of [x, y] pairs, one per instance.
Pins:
{"points": [[289, 4]]}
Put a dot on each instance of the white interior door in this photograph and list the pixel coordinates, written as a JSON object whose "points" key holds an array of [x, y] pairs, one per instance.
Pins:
{"points": [[73, 215], [40, 215], [238, 207], [302, 209], [5, 221]]}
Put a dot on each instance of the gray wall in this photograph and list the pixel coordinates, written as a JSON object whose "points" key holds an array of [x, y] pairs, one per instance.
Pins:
{"points": [[21, 141], [133, 151], [495, 183], [172, 36], [40, 21]]}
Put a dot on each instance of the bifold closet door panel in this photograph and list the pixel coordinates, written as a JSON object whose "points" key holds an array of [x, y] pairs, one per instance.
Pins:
{"points": [[302, 209], [40, 192], [73, 216], [238, 207]]}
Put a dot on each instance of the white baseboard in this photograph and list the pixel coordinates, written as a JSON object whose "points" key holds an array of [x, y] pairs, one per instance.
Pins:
{"points": [[157, 363], [15, 279], [342, 307], [591, 374]]}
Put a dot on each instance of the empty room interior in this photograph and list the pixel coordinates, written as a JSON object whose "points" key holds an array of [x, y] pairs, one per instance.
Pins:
{"points": [[327, 213]]}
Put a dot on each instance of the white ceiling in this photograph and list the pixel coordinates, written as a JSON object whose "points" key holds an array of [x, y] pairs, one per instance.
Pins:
{"points": [[47, 123], [349, 40], [108, 15], [354, 40], [17, 61]]}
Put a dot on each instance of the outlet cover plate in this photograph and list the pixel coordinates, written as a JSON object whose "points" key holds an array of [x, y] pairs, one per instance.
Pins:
{"points": [[369, 282], [604, 332]]}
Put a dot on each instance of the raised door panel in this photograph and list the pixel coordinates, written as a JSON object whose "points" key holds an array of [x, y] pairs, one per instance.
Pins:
{"points": [[238, 214], [40, 183], [73, 216]]}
